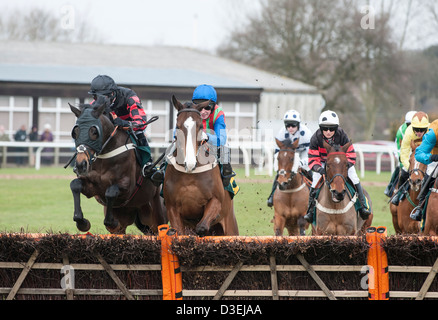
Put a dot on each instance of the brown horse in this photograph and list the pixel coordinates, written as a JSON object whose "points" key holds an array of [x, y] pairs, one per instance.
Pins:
{"points": [[292, 194], [431, 219], [400, 214], [335, 211], [193, 191], [107, 169]]}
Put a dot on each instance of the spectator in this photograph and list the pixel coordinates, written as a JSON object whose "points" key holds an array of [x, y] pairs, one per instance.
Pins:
{"points": [[20, 135], [47, 136], [3, 137]]}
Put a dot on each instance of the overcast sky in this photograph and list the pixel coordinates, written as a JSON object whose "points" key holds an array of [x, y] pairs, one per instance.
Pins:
{"points": [[194, 23], [202, 24]]}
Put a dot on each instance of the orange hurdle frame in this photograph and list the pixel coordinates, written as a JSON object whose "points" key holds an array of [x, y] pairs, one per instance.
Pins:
{"points": [[378, 278], [170, 269]]}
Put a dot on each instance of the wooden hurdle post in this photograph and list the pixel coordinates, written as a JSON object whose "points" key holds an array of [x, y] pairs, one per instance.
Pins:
{"points": [[170, 269]]}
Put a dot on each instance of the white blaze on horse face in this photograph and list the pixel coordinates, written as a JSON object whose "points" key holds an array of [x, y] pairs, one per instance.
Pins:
{"points": [[337, 160], [296, 162], [190, 158]]}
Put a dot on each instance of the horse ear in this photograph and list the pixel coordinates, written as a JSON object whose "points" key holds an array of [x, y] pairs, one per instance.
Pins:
{"points": [[75, 110], [202, 105], [327, 146], [413, 145], [279, 143], [97, 111], [178, 105], [295, 144], [345, 147]]}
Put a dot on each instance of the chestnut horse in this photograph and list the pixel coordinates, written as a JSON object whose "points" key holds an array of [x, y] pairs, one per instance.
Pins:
{"points": [[400, 214], [193, 192], [335, 207], [292, 194], [107, 169], [431, 218]]}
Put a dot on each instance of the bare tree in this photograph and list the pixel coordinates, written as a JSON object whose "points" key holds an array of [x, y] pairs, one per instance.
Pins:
{"points": [[41, 25], [324, 43]]}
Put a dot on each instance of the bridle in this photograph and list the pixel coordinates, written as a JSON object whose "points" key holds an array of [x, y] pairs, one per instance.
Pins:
{"points": [[294, 170]]}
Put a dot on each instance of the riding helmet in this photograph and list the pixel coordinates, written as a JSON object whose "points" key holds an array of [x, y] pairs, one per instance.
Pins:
{"points": [[102, 84], [204, 92], [420, 120], [328, 118], [409, 115]]}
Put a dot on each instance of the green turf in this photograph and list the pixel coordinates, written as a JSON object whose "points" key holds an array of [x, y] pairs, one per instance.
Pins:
{"points": [[41, 201]]}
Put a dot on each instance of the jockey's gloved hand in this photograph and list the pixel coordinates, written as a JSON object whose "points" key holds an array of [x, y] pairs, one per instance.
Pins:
{"points": [[121, 123], [319, 169], [434, 157]]}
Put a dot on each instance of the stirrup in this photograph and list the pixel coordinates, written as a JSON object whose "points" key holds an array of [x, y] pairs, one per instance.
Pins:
{"points": [[148, 169], [416, 214]]}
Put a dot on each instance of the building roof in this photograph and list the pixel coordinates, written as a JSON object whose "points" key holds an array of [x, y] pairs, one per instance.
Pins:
{"points": [[52, 62]]}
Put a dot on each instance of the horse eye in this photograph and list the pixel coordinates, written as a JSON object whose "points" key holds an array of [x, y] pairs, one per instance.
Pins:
{"points": [[75, 132], [93, 133]]}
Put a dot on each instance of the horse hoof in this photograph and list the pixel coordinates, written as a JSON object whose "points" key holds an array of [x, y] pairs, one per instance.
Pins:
{"points": [[201, 231], [111, 224], [83, 225]]}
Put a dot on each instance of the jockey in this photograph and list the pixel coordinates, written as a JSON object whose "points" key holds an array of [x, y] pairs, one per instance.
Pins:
{"points": [[125, 108], [398, 140], [415, 132], [293, 129], [330, 132], [427, 153], [213, 121]]}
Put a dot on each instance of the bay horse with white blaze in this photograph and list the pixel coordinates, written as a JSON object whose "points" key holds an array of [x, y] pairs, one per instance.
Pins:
{"points": [[292, 194], [335, 207], [400, 214], [107, 169], [193, 192]]}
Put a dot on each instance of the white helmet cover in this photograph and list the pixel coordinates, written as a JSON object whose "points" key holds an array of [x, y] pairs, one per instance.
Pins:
{"points": [[292, 115], [409, 115], [329, 118]]}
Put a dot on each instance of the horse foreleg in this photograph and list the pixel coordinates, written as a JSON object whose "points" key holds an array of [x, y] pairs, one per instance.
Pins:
{"points": [[211, 215], [81, 223], [111, 194]]}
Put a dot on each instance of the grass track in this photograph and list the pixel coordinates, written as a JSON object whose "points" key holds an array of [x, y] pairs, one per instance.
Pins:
{"points": [[41, 201]]}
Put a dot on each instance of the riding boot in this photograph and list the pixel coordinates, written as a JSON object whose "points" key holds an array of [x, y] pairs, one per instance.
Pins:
{"points": [[227, 174], [392, 183], [364, 212], [311, 206], [270, 201], [403, 187], [417, 212]]}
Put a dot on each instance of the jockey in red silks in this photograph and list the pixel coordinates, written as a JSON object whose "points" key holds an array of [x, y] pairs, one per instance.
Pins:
{"points": [[126, 110], [330, 132]]}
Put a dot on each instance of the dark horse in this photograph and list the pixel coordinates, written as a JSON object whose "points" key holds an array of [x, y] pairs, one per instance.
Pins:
{"points": [[335, 210], [292, 195], [193, 192], [107, 169]]}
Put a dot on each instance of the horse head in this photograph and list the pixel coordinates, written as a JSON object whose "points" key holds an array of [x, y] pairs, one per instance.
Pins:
{"points": [[189, 133], [337, 170], [288, 161], [417, 169], [89, 132]]}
